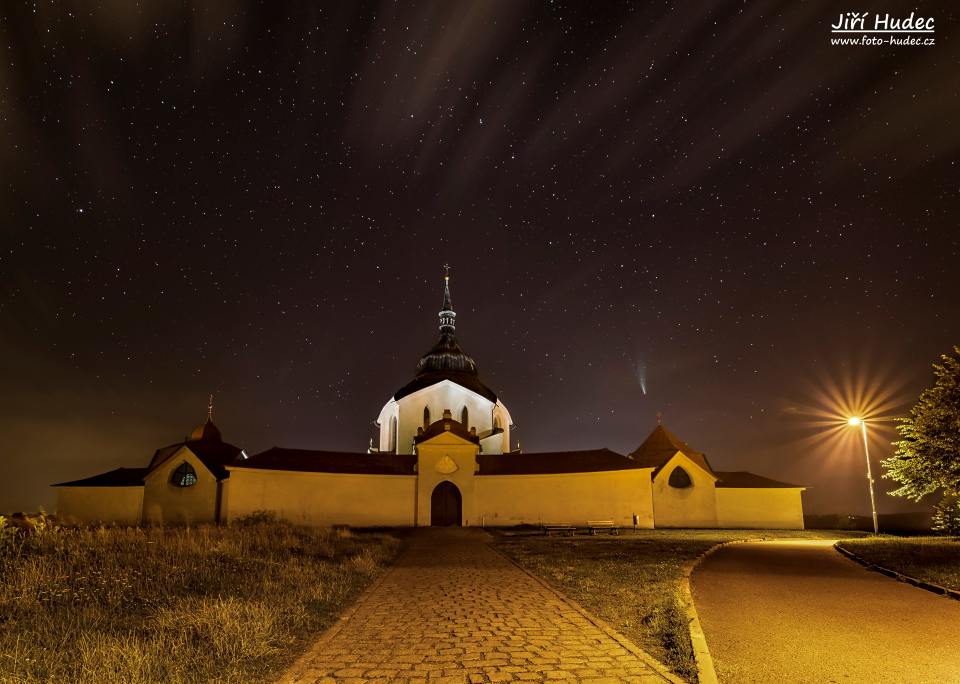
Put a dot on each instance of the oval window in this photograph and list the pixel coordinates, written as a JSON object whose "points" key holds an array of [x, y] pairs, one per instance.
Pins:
{"points": [[184, 475], [680, 479]]}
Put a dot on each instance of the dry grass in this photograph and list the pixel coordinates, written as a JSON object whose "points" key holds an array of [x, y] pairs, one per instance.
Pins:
{"points": [[932, 559], [203, 604], [632, 581]]}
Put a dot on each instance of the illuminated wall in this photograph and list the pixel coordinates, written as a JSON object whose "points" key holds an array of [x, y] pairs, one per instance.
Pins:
{"points": [[451, 458], [764, 508], [405, 500], [321, 498], [443, 395], [693, 506], [122, 505], [164, 502], [569, 497]]}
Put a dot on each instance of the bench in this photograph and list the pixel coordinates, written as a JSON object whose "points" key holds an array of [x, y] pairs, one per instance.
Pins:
{"points": [[595, 526], [562, 528]]}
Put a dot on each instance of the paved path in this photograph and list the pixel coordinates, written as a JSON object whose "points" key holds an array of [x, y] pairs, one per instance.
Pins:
{"points": [[798, 611], [453, 610]]}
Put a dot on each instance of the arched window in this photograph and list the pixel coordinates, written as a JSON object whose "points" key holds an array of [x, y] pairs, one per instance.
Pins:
{"points": [[464, 416], [184, 475], [393, 434], [426, 417], [680, 479], [496, 422]]}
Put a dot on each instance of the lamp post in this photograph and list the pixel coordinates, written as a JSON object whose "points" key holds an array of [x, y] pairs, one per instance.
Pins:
{"points": [[866, 452]]}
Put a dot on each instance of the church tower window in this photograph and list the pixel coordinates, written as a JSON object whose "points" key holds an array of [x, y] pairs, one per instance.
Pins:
{"points": [[426, 417], [184, 475], [393, 434], [680, 479], [464, 416]]}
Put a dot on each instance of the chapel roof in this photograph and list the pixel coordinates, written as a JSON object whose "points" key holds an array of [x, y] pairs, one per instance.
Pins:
{"points": [[307, 460], [206, 443], [660, 446], [206, 432], [554, 462], [741, 479], [446, 359], [215, 455], [120, 477]]}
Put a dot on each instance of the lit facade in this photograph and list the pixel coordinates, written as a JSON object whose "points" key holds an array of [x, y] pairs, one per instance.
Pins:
{"points": [[443, 458]]}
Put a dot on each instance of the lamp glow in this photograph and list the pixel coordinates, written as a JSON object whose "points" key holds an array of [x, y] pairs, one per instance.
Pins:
{"points": [[854, 421]]}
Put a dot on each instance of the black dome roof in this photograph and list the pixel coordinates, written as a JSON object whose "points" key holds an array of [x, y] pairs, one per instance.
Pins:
{"points": [[446, 355]]}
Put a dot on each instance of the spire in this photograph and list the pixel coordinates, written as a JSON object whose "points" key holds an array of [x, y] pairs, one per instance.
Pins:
{"points": [[447, 315], [446, 356], [210, 409]]}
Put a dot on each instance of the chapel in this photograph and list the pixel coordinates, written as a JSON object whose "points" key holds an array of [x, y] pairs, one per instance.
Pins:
{"points": [[443, 457]]}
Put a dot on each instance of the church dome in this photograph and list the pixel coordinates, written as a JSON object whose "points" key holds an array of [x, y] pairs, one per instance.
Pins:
{"points": [[207, 431], [446, 355]]}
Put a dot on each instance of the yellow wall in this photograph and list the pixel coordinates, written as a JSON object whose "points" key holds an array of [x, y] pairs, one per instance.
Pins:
{"points": [[100, 504], [694, 506], [430, 463], [163, 502], [773, 508], [321, 498], [569, 497]]}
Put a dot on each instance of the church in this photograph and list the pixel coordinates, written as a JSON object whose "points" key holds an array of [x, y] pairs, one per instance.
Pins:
{"points": [[443, 458]]}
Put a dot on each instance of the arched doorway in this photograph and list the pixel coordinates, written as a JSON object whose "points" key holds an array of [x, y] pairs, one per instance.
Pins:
{"points": [[446, 505]]}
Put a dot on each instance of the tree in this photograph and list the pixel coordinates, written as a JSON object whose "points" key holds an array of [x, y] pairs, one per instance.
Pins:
{"points": [[927, 457], [946, 519]]}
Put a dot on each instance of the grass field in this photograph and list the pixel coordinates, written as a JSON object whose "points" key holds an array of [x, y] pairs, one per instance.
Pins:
{"points": [[932, 559], [202, 604], [632, 581]]}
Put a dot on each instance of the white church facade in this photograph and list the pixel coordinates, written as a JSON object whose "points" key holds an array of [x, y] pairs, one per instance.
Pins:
{"points": [[443, 458]]}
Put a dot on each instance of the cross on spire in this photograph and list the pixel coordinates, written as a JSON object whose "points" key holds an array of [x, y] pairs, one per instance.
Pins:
{"points": [[659, 418], [447, 315]]}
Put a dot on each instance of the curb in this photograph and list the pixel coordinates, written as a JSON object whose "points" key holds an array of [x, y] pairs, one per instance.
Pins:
{"points": [[920, 584], [648, 659], [706, 673]]}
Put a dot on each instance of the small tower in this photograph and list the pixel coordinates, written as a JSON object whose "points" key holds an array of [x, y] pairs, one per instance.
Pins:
{"points": [[447, 314], [206, 432]]}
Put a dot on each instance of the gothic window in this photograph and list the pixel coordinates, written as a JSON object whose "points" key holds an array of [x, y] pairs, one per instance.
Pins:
{"points": [[426, 417], [393, 434], [184, 475], [680, 479], [464, 416]]}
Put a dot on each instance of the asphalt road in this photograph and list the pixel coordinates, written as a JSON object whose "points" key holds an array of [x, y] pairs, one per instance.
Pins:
{"points": [[797, 611]]}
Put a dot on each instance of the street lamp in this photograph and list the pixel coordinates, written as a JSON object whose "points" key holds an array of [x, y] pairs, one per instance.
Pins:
{"points": [[866, 452]]}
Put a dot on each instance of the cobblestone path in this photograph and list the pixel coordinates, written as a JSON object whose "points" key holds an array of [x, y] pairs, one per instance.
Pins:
{"points": [[453, 610]]}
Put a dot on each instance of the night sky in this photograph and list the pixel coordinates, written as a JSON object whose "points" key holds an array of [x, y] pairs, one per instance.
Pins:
{"points": [[702, 209]]}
